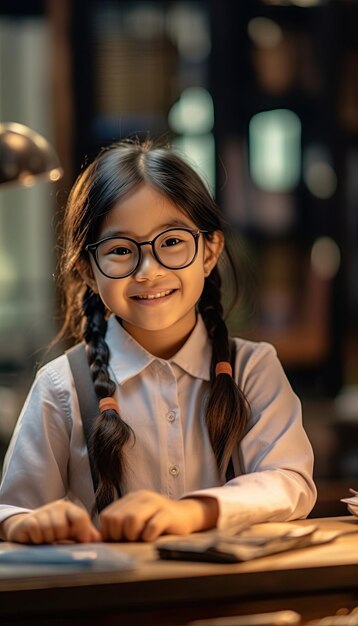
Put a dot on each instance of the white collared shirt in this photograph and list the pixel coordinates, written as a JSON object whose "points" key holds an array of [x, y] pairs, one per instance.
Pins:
{"points": [[164, 401]]}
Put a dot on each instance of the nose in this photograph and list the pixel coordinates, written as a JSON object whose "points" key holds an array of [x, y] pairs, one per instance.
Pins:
{"points": [[149, 268]]}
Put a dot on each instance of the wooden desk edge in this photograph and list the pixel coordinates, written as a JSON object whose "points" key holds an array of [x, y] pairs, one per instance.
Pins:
{"points": [[157, 583]]}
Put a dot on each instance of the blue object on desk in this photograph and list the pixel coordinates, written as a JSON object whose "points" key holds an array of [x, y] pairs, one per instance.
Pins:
{"points": [[48, 554], [94, 555]]}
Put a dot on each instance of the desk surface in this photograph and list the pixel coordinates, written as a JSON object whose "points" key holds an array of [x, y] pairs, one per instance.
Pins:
{"points": [[183, 590]]}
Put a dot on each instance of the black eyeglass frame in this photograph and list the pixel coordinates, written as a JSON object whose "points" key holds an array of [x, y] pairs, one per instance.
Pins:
{"points": [[93, 247]]}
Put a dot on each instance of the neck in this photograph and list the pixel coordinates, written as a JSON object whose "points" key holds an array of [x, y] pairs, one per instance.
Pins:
{"points": [[161, 343]]}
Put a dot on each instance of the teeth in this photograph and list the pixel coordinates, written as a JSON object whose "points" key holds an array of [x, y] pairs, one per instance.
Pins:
{"points": [[152, 296]]}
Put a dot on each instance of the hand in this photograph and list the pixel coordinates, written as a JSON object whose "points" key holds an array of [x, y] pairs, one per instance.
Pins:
{"points": [[145, 515], [56, 521]]}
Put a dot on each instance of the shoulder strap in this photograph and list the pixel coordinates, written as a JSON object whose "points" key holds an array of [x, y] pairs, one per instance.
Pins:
{"points": [[230, 473], [87, 399]]}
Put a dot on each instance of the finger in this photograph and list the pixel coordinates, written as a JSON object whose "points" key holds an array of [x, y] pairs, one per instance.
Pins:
{"points": [[47, 532], [111, 526], [60, 524], [64, 528], [94, 534], [156, 526], [52, 525], [39, 526], [18, 534], [29, 531], [81, 527], [133, 525], [85, 532], [127, 517], [128, 521]]}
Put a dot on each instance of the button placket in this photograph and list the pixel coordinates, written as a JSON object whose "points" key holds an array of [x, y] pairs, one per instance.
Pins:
{"points": [[171, 416], [175, 471]]}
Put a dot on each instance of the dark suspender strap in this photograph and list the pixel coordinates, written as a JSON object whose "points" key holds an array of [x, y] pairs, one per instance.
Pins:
{"points": [[87, 399], [230, 473]]}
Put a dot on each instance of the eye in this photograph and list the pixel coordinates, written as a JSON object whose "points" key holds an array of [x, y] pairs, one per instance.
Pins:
{"points": [[115, 248], [120, 251], [170, 241]]}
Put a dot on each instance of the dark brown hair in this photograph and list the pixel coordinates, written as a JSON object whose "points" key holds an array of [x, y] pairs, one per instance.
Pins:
{"points": [[118, 170]]}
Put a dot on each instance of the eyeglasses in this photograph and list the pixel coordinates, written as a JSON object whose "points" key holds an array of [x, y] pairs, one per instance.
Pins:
{"points": [[118, 257]]}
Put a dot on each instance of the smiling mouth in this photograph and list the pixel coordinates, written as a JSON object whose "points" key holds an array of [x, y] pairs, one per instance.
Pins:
{"points": [[154, 296]]}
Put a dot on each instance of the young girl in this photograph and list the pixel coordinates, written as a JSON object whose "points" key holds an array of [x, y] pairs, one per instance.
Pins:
{"points": [[142, 288]]}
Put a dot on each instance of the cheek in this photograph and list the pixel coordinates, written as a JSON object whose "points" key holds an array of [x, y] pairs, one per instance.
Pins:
{"points": [[111, 292], [195, 282]]}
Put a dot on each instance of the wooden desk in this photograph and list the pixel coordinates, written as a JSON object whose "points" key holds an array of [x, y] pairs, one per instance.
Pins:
{"points": [[315, 581]]}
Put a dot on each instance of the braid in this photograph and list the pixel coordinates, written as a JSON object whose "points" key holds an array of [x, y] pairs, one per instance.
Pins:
{"points": [[110, 432], [227, 408]]}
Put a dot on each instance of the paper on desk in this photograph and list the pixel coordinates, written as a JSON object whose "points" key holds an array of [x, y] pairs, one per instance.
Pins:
{"points": [[82, 556], [257, 541]]}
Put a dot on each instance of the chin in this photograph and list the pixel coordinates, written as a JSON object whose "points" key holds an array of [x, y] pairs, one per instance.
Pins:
{"points": [[149, 326]]}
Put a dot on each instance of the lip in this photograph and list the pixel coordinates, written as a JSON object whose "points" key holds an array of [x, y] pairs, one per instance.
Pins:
{"points": [[154, 296]]}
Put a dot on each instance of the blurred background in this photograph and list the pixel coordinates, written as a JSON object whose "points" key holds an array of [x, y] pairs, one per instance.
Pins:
{"points": [[263, 97]]}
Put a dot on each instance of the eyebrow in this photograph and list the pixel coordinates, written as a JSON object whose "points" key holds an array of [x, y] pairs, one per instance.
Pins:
{"points": [[160, 228]]}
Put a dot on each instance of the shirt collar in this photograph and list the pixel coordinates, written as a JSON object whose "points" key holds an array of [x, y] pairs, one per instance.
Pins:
{"points": [[194, 357], [129, 358]]}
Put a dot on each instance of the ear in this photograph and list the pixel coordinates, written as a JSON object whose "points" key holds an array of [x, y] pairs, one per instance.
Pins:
{"points": [[212, 251], [85, 270]]}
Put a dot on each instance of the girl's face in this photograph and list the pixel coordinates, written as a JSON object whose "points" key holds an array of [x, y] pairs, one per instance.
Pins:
{"points": [[156, 304]]}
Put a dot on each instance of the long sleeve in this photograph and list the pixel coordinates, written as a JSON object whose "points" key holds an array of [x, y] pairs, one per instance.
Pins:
{"points": [[164, 403], [274, 462], [38, 467]]}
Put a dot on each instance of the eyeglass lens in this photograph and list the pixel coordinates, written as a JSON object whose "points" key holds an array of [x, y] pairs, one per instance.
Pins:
{"points": [[119, 256]]}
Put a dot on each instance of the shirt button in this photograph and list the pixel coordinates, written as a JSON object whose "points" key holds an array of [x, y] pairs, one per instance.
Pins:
{"points": [[171, 416], [174, 470]]}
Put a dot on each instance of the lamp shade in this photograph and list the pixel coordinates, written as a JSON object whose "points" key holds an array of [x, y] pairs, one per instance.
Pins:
{"points": [[26, 155]]}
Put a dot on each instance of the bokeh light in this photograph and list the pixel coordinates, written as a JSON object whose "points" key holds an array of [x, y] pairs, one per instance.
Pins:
{"points": [[264, 33], [275, 150], [200, 152], [325, 258], [318, 173], [193, 113]]}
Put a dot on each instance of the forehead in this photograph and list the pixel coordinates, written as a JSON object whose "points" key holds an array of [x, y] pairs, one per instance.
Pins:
{"points": [[143, 212]]}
